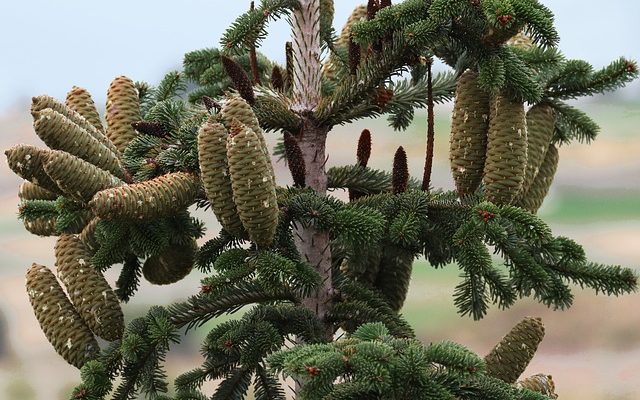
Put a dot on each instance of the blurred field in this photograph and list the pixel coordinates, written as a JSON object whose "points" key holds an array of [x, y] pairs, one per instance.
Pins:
{"points": [[592, 350]]}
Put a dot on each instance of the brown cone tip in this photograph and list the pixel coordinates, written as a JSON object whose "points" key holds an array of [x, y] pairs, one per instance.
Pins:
{"points": [[295, 160], [277, 80], [400, 178], [211, 104], [152, 128], [372, 9], [354, 56], [239, 78], [385, 4], [364, 148]]}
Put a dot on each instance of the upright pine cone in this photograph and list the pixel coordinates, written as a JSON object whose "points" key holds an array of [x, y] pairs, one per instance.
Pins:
{"points": [[171, 265], [123, 108], [539, 383], [506, 161], [540, 128], [469, 127], [154, 198], [31, 191], [59, 321], [78, 179], [509, 358], [254, 190], [532, 200], [214, 172], [28, 163], [43, 226], [79, 100], [89, 292]]}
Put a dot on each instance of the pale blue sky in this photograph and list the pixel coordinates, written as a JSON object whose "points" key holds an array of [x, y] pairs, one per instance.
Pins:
{"points": [[49, 45]]}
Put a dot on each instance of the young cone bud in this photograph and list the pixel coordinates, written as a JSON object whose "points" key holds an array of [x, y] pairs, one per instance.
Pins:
{"points": [[372, 9], [152, 128], [532, 200], [295, 160], [89, 292], [211, 104], [88, 235], [469, 126], [354, 57], [28, 163], [539, 383], [254, 190], [155, 198], [123, 108], [31, 191], [43, 226], [363, 153], [506, 162], [171, 266], [394, 276], [400, 177], [80, 101], [239, 78], [59, 321], [214, 172], [540, 128], [509, 358], [277, 80], [77, 178]]}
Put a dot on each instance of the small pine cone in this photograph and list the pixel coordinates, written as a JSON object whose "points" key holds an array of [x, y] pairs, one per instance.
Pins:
{"points": [[509, 358], [78, 179], [240, 79], [400, 173], [123, 108], [42, 226], [532, 200], [155, 198], [394, 276], [31, 191], [60, 133], [28, 163], [59, 321], [468, 143], [295, 160], [170, 266], [539, 383], [540, 128], [506, 162], [277, 79], [363, 152], [89, 292], [254, 190], [88, 235], [41, 102], [214, 172], [80, 101]]}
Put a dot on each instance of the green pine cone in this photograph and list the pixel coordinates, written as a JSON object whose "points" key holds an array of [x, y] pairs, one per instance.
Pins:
{"points": [[469, 127], [150, 199], [80, 101], [254, 190], [89, 292], [539, 383], [60, 133], [78, 179], [59, 321], [31, 191], [43, 226], [394, 276], [123, 108], [170, 266], [532, 200], [28, 163], [88, 235], [506, 161], [509, 358], [41, 102], [540, 128], [214, 172]]}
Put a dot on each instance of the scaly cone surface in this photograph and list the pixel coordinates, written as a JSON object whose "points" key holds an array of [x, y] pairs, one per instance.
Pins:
{"points": [[59, 321], [31, 191], [540, 129], [539, 383], [88, 290], [28, 163], [123, 108], [539, 189], [80, 100], [170, 266], [43, 226], [88, 235]]}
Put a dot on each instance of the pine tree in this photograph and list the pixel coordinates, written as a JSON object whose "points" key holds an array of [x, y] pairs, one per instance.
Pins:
{"points": [[307, 263]]}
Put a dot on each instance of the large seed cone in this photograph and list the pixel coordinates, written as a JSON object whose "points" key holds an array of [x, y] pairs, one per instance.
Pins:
{"points": [[154, 198], [171, 266], [59, 321], [60, 133], [506, 161], [89, 292], [78, 179], [40, 103], [88, 235], [43, 226], [80, 100], [532, 200], [540, 129], [212, 156], [508, 360], [539, 383], [254, 190], [469, 127], [394, 276], [31, 191], [28, 163], [123, 108]]}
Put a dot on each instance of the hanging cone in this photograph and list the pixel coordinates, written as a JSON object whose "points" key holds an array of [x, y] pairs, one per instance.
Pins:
{"points": [[394, 276], [214, 172], [89, 292], [59, 321], [154, 198], [254, 190], [506, 161], [532, 200], [41, 102], [123, 108], [78, 179], [80, 101], [28, 163], [469, 127], [31, 191], [540, 128], [509, 358], [88, 235], [60, 133], [43, 226], [539, 383], [170, 266]]}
